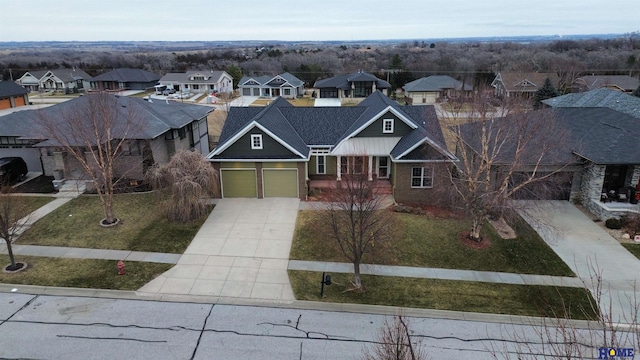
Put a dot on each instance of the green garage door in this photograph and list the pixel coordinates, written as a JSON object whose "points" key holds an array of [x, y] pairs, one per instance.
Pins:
{"points": [[238, 183], [280, 182]]}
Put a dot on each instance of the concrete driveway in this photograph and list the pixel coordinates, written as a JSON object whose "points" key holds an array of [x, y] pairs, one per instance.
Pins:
{"points": [[240, 253], [590, 252]]}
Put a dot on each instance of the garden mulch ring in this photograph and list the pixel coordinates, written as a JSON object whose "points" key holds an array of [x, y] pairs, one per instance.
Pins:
{"points": [[464, 238]]}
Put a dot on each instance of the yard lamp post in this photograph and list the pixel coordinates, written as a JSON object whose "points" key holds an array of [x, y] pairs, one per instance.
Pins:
{"points": [[326, 280]]}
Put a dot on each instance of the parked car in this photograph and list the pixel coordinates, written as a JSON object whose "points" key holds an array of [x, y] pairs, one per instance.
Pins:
{"points": [[12, 169], [168, 92]]}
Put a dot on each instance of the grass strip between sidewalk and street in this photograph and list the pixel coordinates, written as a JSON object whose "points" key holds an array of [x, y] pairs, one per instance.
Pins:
{"points": [[574, 303], [143, 226], [82, 273]]}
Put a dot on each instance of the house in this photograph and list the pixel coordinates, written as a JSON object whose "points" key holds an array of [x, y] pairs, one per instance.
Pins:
{"points": [[356, 85], [161, 128], [521, 84], [603, 97], [66, 80], [285, 151], [598, 157], [31, 79], [12, 95], [198, 81], [124, 79], [426, 90], [622, 83], [284, 85]]}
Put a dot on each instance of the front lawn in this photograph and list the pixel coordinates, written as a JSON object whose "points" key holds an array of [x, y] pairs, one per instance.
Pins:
{"points": [[428, 242], [142, 227], [33, 203], [448, 295], [633, 249], [82, 273]]}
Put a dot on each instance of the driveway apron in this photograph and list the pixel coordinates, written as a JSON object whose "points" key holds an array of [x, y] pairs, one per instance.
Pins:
{"points": [[240, 253], [591, 253]]}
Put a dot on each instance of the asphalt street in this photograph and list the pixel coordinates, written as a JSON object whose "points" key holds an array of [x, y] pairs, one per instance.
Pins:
{"points": [[71, 327]]}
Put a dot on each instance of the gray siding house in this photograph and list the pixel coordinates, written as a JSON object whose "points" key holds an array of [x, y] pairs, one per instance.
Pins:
{"points": [[284, 85], [124, 79], [199, 81]]}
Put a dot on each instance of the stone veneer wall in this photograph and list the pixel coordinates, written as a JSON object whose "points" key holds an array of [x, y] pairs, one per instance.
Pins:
{"points": [[591, 188]]}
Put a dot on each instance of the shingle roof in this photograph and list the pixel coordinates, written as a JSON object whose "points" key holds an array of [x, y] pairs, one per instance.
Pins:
{"points": [[304, 127], [436, 83], [70, 75], [185, 77], [9, 88], [264, 79], [344, 81], [152, 118], [601, 135], [515, 81], [624, 82], [608, 98], [127, 75]]}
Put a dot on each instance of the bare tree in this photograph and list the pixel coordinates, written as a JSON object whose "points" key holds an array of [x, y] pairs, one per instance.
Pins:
{"points": [[502, 152], [395, 343], [95, 130], [356, 220], [189, 178], [13, 217]]}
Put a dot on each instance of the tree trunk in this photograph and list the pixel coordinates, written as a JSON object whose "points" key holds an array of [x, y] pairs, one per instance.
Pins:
{"points": [[356, 275], [475, 230], [10, 253]]}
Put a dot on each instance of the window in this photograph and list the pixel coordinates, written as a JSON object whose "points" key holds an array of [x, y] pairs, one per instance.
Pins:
{"points": [[195, 86], [421, 177], [256, 141], [387, 126], [287, 91], [321, 161]]}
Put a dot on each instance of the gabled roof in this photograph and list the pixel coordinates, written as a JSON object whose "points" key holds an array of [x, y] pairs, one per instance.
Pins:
{"points": [[604, 97], [265, 80], [525, 81], [9, 88], [68, 75], [211, 77], [301, 128], [344, 81], [435, 83], [152, 118], [127, 75], [622, 82], [600, 135], [38, 74]]}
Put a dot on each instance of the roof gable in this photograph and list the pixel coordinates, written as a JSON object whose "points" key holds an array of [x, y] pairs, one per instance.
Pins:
{"points": [[9, 88]]}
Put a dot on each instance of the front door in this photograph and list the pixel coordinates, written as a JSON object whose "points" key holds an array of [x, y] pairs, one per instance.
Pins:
{"points": [[382, 166]]}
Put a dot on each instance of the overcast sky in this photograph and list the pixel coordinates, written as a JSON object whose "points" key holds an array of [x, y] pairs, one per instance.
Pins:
{"points": [[297, 20]]}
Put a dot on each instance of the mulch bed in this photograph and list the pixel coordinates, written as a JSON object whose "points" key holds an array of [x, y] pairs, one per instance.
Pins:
{"points": [[484, 243], [41, 185]]}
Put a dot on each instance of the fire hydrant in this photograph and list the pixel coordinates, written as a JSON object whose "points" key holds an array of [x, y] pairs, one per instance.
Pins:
{"points": [[120, 267]]}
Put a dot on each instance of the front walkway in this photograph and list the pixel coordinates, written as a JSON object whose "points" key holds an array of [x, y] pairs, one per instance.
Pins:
{"points": [[591, 253], [241, 252]]}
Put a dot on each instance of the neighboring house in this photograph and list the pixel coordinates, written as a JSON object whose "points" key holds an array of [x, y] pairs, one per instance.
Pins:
{"points": [[31, 79], [623, 83], [426, 90], [600, 155], [284, 151], [67, 80], [199, 81], [12, 95], [356, 85], [284, 85], [124, 79], [162, 128], [603, 97], [518, 84]]}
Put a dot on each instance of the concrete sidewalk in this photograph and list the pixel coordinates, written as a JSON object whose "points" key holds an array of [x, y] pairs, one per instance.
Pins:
{"points": [[86, 253]]}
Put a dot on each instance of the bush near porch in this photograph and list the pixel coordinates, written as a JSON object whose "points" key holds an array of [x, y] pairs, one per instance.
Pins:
{"points": [[432, 242]]}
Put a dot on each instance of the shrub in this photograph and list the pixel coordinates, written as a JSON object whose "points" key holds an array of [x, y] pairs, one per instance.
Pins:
{"points": [[613, 223]]}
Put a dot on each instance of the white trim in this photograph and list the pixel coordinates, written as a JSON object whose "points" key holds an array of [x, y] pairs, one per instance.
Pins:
{"points": [[236, 169], [324, 164], [432, 143], [244, 131], [256, 141], [283, 169], [384, 126], [378, 166], [422, 161], [257, 160], [422, 176], [404, 119]]}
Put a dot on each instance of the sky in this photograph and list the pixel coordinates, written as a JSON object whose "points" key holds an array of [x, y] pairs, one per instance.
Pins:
{"points": [[299, 20]]}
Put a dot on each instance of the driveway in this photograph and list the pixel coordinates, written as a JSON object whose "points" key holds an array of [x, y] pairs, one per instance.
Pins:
{"points": [[589, 250], [240, 253]]}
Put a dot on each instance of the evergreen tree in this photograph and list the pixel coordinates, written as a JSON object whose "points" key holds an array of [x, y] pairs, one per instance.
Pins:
{"points": [[547, 91]]}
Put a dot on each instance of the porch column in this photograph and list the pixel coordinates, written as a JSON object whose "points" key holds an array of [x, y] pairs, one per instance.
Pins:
{"points": [[370, 167], [339, 159]]}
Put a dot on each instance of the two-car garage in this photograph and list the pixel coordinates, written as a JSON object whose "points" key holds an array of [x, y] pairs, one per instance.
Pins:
{"points": [[277, 180]]}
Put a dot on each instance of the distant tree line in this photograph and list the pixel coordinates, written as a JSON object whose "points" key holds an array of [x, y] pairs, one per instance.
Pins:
{"points": [[472, 62]]}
